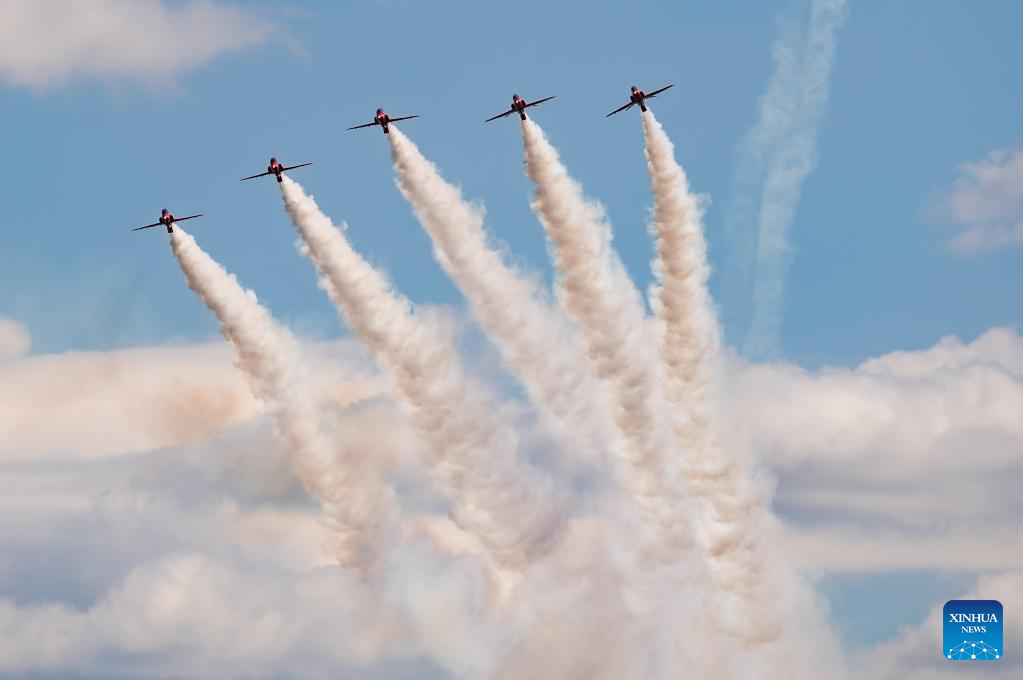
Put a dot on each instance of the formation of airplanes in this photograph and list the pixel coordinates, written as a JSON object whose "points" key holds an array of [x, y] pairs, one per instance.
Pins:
{"points": [[382, 119]]}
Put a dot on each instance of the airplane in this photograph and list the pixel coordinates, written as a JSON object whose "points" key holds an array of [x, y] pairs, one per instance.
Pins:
{"points": [[383, 120], [637, 97], [518, 104], [166, 219], [276, 168]]}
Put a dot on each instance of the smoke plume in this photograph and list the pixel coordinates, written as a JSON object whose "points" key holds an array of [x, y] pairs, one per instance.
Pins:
{"points": [[735, 522], [775, 159], [495, 496], [534, 339], [268, 354], [595, 288]]}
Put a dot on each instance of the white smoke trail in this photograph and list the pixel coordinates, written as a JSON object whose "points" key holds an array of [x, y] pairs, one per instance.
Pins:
{"points": [[781, 149], [355, 506], [690, 341], [494, 496], [607, 610], [596, 289], [534, 339]]}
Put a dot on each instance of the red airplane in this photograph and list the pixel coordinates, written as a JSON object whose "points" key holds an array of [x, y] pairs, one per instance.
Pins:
{"points": [[518, 104], [637, 97], [275, 168], [167, 220], [383, 120]]}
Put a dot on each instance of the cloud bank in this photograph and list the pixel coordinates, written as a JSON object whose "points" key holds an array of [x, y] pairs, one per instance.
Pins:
{"points": [[909, 461], [987, 200], [181, 535], [45, 43]]}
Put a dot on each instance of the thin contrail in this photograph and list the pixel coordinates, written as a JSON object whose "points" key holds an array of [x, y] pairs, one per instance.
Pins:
{"points": [[495, 497], [268, 354], [777, 155], [595, 288], [735, 520], [534, 339]]}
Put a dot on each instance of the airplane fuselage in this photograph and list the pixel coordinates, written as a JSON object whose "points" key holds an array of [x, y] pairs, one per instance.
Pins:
{"points": [[276, 168], [167, 220], [519, 104], [637, 97], [383, 120]]}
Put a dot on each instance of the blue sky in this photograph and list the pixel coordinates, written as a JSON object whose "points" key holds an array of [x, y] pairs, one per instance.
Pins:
{"points": [[917, 89], [920, 93]]}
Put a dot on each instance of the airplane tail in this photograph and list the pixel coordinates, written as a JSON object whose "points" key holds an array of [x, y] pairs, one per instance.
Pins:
{"points": [[522, 114]]}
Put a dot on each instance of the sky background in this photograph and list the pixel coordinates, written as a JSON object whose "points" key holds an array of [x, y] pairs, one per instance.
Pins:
{"points": [[920, 93], [918, 88]]}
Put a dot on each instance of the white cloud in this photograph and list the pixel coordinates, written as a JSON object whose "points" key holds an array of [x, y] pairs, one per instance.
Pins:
{"points": [[898, 407], [911, 460], [850, 547], [89, 404], [209, 617], [987, 199], [208, 541], [15, 339], [47, 42]]}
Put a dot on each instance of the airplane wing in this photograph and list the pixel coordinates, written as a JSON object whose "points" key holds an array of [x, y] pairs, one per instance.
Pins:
{"points": [[620, 108], [160, 224], [500, 115], [660, 90], [395, 120], [292, 167], [364, 126], [540, 101], [262, 174]]}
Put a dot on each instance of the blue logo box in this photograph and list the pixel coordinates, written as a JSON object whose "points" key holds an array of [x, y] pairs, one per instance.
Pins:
{"points": [[972, 630]]}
